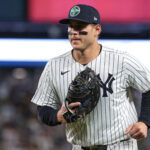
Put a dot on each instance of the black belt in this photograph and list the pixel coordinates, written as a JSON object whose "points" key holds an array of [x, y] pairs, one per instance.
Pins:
{"points": [[98, 147]]}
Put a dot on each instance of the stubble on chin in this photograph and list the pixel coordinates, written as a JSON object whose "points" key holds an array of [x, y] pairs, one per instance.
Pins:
{"points": [[78, 50]]}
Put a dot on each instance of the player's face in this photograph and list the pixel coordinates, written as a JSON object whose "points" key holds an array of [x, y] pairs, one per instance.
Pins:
{"points": [[82, 35]]}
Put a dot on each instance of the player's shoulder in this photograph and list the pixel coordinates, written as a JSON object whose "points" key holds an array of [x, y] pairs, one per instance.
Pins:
{"points": [[122, 53], [113, 51], [125, 57]]}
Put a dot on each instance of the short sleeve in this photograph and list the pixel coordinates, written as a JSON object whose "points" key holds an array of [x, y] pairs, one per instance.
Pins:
{"points": [[45, 94], [138, 76]]}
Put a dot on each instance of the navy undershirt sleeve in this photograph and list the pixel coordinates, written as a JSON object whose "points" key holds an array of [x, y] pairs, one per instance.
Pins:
{"points": [[145, 109], [47, 115]]}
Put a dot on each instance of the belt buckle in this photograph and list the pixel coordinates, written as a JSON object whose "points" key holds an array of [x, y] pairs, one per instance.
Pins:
{"points": [[93, 147], [98, 147], [90, 148]]}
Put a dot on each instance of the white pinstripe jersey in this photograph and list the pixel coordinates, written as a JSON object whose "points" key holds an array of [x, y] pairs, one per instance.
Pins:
{"points": [[115, 110]]}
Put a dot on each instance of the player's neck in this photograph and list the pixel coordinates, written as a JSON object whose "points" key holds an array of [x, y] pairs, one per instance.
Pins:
{"points": [[87, 55]]}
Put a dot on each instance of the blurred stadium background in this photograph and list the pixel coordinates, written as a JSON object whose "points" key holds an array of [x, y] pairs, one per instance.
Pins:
{"points": [[36, 21]]}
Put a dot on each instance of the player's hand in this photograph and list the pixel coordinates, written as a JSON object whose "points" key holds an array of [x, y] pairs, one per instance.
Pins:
{"points": [[137, 130], [60, 113]]}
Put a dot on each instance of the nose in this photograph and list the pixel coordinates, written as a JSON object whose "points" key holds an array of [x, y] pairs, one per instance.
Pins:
{"points": [[73, 32]]}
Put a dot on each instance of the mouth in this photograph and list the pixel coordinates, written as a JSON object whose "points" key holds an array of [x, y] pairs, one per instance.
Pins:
{"points": [[75, 40]]}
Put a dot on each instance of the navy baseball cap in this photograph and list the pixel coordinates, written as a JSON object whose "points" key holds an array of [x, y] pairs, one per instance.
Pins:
{"points": [[83, 13]]}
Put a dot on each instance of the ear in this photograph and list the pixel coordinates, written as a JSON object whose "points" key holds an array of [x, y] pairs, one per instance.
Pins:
{"points": [[98, 29]]}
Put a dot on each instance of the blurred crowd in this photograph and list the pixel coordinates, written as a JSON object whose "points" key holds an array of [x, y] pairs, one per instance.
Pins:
{"points": [[19, 127]]}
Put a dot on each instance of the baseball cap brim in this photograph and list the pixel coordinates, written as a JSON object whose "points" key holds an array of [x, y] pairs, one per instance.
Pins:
{"points": [[67, 21]]}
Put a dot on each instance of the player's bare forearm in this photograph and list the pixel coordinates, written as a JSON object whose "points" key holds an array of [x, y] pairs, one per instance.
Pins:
{"points": [[137, 131], [60, 113]]}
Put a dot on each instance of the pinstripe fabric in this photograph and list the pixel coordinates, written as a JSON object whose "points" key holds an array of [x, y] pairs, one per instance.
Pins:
{"points": [[115, 110], [125, 145]]}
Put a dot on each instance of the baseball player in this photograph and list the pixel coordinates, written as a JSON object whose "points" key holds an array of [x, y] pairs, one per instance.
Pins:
{"points": [[113, 124]]}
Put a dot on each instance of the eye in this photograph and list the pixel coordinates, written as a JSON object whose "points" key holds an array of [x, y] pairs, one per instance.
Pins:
{"points": [[78, 27]]}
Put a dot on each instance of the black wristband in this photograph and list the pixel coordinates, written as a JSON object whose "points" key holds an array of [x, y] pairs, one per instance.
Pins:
{"points": [[47, 115]]}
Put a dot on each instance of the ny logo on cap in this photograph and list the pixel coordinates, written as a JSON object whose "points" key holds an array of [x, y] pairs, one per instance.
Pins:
{"points": [[74, 11]]}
